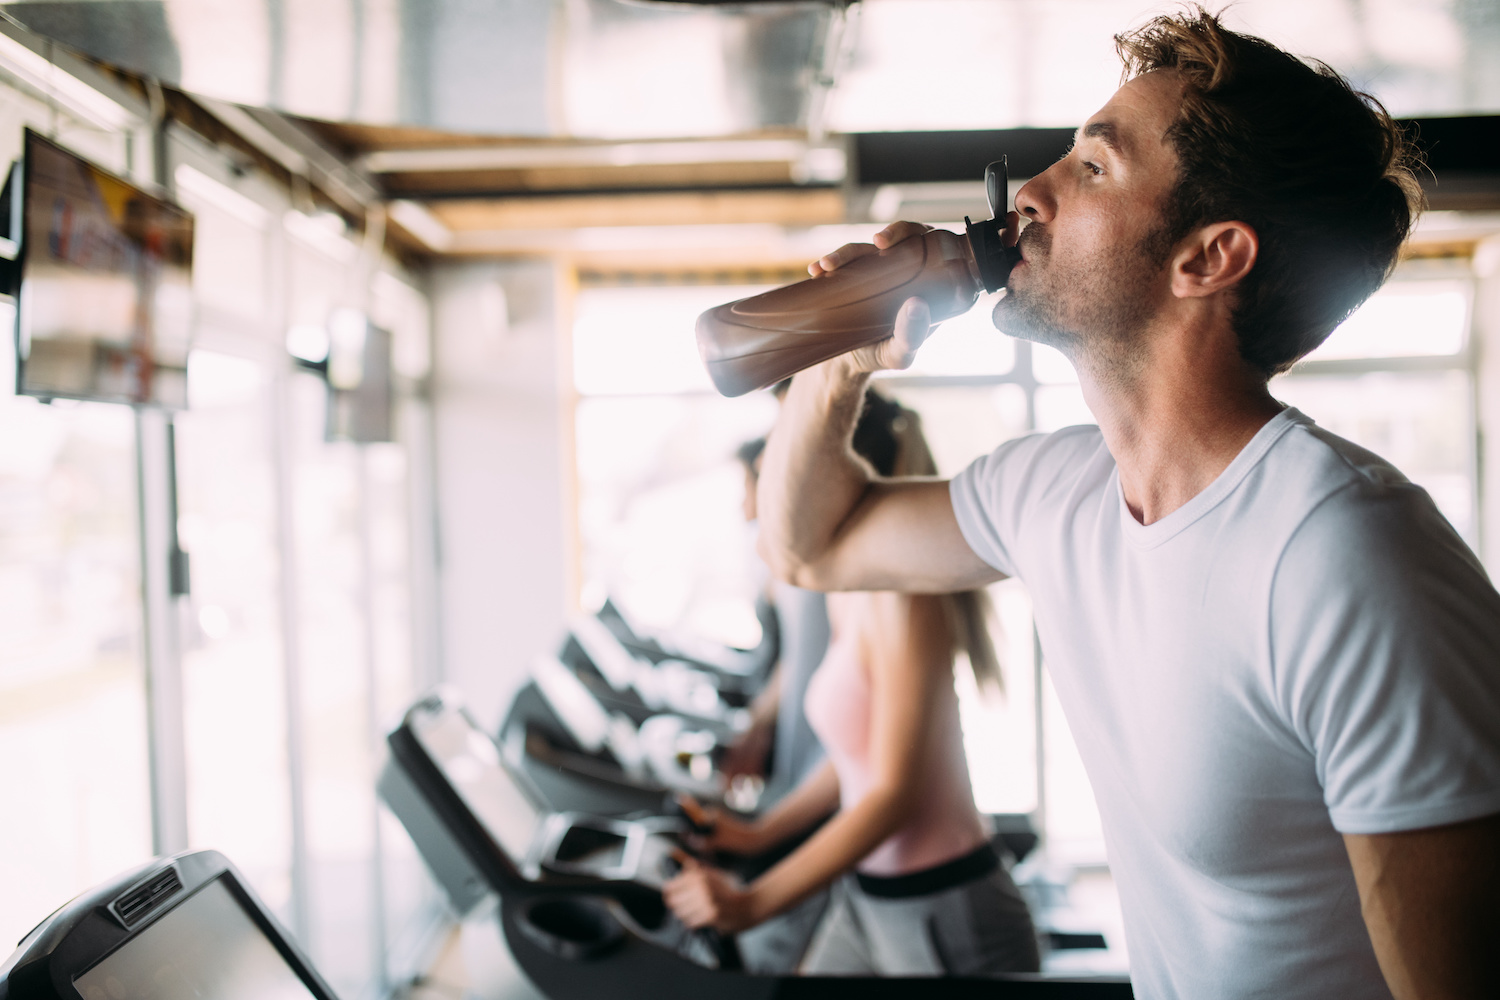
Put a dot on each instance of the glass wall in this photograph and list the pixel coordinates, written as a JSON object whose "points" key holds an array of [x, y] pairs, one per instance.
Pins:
{"points": [[234, 680], [301, 637], [73, 743], [74, 773], [660, 493]]}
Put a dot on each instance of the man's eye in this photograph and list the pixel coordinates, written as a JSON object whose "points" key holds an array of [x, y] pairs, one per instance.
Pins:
{"points": [[1093, 168]]}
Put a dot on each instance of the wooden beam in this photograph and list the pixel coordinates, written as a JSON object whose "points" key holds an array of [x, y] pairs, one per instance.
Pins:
{"points": [[792, 207], [555, 178]]}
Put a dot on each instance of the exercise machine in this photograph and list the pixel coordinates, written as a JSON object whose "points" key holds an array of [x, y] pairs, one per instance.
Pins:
{"points": [[183, 926], [579, 896], [604, 729]]}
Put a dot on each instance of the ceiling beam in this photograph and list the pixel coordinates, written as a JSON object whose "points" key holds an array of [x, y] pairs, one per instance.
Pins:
{"points": [[614, 154], [784, 207]]}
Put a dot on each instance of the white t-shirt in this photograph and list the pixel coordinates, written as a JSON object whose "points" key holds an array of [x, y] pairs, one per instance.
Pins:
{"points": [[1304, 649]]}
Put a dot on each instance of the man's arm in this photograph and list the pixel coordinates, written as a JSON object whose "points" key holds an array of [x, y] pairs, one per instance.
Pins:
{"points": [[1431, 901], [827, 522]]}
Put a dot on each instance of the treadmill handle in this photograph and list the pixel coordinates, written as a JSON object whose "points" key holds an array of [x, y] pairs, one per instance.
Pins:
{"points": [[725, 948]]}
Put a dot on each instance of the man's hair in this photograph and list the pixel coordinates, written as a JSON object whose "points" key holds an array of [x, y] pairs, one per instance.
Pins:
{"points": [[1316, 168]]}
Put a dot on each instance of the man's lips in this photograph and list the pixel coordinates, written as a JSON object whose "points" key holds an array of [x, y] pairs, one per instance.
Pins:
{"points": [[1031, 249]]}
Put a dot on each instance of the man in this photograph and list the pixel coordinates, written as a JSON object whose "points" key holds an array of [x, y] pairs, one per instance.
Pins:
{"points": [[1281, 665]]}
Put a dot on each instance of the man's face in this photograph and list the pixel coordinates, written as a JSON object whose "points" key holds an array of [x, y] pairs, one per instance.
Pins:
{"points": [[1092, 272]]}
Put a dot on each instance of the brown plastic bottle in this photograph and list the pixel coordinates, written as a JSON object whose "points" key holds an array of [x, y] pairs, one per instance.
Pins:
{"points": [[758, 341]]}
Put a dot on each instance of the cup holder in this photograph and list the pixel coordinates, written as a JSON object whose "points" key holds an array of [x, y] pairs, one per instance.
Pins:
{"points": [[647, 909], [571, 928]]}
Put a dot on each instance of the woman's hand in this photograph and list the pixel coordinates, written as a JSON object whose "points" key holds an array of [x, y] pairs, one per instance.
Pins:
{"points": [[725, 832], [707, 897], [747, 754]]}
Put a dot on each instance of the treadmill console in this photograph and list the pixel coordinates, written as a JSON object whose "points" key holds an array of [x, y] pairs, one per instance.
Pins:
{"points": [[469, 763], [498, 824], [179, 927], [638, 851]]}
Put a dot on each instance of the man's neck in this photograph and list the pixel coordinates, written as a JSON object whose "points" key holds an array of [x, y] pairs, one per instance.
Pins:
{"points": [[1175, 425]]}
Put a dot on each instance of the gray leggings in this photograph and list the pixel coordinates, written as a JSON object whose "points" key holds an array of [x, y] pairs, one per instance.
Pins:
{"points": [[979, 928]]}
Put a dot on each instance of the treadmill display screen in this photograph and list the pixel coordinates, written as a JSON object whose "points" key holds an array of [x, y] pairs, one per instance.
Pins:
{"points": [[471, 763], [207, 947]]}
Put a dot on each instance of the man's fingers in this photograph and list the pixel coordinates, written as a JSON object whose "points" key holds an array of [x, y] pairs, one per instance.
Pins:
{"points": [[913, 325], [886, 238], [898, 231], [843, 255]]}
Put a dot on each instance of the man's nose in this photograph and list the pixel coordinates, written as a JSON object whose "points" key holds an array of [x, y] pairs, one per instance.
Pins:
{"points": [[1034, 200]]}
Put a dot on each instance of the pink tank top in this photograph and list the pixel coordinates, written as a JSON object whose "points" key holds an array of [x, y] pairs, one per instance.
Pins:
{"points": [[945, 824]]}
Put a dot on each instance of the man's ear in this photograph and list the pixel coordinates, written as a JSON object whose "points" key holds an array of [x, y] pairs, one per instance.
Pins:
{"points": [[1213, 259]]}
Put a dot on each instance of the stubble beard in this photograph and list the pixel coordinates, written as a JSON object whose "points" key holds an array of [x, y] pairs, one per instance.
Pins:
{"points": [[1093, 310]]}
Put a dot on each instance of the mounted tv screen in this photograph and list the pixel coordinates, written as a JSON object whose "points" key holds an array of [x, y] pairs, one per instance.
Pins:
{"points": [[105, 307]]}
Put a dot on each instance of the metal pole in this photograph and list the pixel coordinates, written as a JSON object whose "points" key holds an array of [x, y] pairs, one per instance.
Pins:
{"points": [[299, 914], [166, 731], [372, 717]]}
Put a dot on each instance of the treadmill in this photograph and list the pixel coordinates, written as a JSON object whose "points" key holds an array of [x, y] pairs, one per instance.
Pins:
{"points": [[178, 927], [580, 900], [601, 729], [739, 673], [636, 683]]}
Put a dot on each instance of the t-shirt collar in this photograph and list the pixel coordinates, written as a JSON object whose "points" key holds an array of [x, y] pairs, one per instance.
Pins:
{"points": [[1146, 536]]}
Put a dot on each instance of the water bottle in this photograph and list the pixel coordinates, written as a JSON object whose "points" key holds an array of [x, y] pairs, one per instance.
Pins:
{"points": [[758, 341]]}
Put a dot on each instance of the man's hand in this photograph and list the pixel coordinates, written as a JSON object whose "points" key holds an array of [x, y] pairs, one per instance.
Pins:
{"points": [[707, 897], [913, 322], [884, 240], [1431, 901], [825, 522]]}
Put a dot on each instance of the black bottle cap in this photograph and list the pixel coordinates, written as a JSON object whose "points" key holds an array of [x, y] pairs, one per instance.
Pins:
{"points": [[993, 257]]}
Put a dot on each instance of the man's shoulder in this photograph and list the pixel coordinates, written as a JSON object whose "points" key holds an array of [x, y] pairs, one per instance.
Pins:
{"points": [[994, 495], [1077, 438], [1305, 476], [1048, 454], [1337, 462], [1361, 521], [1029, 469]]}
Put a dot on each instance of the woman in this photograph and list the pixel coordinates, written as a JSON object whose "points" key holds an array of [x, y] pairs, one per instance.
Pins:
{"points": [[917, 888]]}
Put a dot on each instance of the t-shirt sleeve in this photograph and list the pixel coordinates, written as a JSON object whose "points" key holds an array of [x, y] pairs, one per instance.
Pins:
{"points": [[1385, 638], [992, 497]]}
